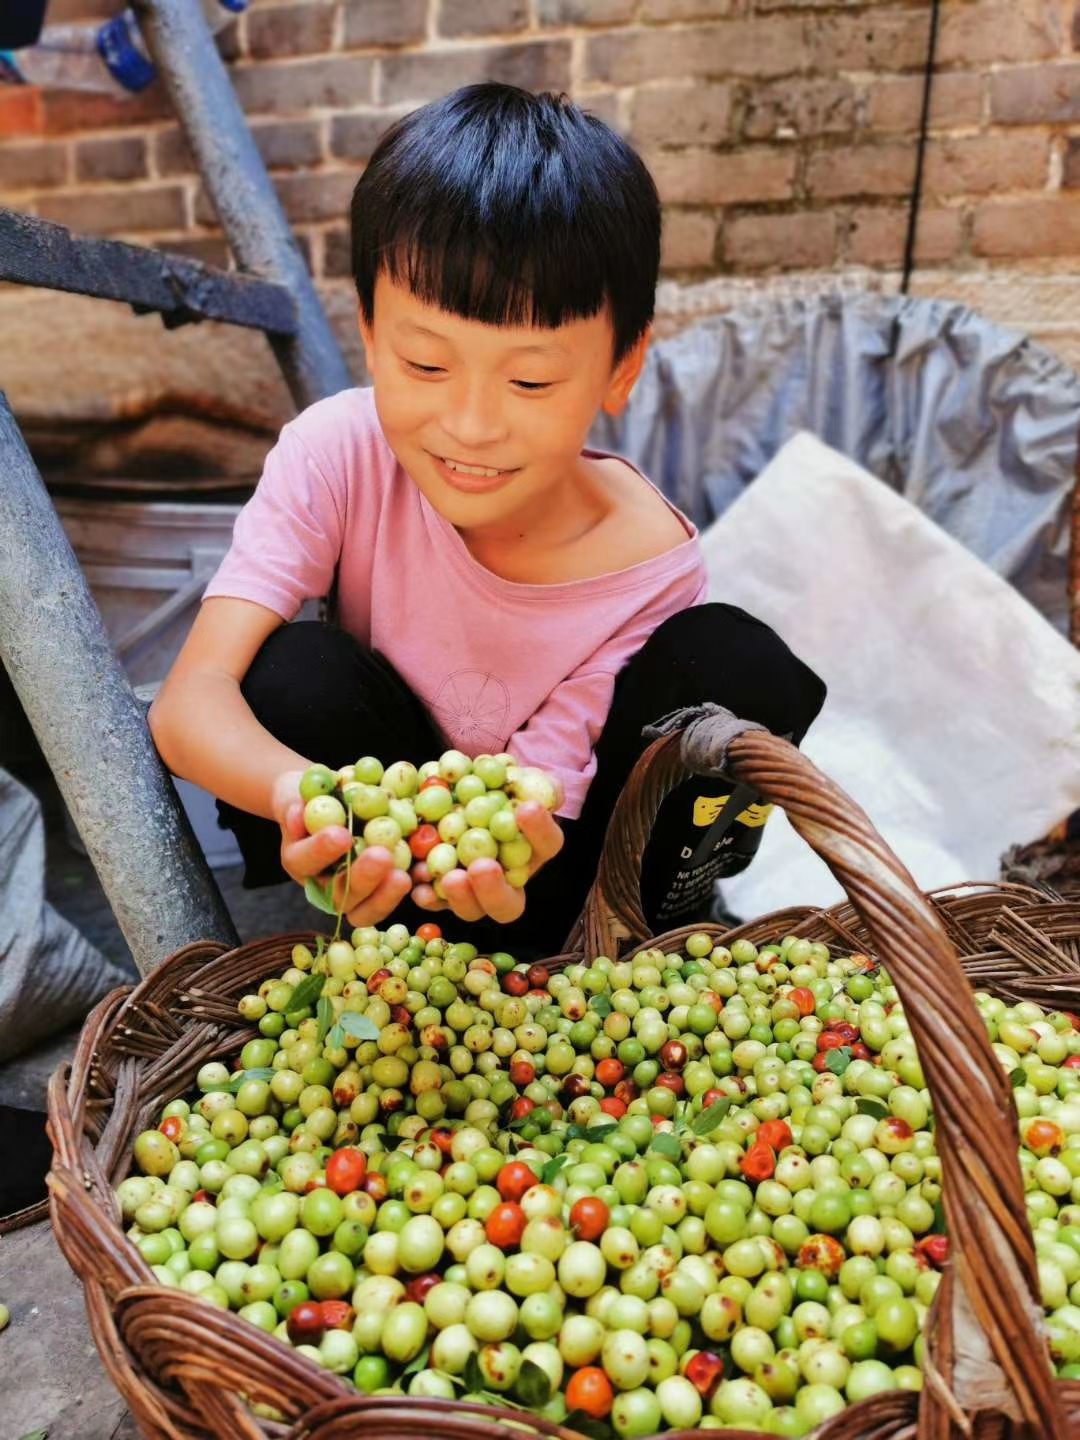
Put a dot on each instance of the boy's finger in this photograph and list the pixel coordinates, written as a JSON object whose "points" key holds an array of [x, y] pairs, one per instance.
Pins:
{"points": [[424, 896], [366, 873], [498, 899], [382, 901], [542, 831], [315, 853], [459, 892], [293, 824]]}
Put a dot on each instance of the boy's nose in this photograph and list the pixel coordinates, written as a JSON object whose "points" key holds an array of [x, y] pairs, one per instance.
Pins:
{"points": [[474, 419]]}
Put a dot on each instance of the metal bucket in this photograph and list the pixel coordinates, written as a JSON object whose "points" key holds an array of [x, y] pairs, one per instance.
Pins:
{"points": [[147, 564]]}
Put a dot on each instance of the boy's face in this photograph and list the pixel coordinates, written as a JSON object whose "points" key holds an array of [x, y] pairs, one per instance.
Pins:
{"points": [[487, 418]]}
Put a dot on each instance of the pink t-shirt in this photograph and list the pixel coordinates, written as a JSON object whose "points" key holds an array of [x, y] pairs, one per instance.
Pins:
{"points": [[499, 665]]}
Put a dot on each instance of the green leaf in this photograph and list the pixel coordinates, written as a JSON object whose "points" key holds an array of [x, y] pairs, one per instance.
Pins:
{"points": [[306, 993], [598, 1132], [709, 1119], [600, 1005], [36, 1435], [419, 1362], [552, 1168], [666, 1144], [575, 1132], [533, 1385], [584, 1424], [838, 1060], [232, 1085], [320, 896], [939, 1227], [324, 1014], [1017, 1078], [357, 1026], [336, 1038], [867, 1105], [474, 1378]]}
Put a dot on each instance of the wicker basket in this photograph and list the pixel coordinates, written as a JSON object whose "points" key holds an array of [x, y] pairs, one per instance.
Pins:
{"points": [[184, 1367]]}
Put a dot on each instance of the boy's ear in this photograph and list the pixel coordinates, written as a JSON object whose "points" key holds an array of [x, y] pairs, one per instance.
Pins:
{"points": [[625, 375], [367, 339]]}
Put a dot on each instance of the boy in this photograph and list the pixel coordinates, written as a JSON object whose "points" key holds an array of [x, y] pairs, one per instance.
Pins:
{"points": [[498, 586]]}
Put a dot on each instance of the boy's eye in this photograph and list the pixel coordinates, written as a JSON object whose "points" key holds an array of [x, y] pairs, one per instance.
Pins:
{"points": [[425, 369], [530, 385]]}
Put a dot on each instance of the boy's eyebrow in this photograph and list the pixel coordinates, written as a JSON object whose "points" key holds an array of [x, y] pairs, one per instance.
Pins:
{"points": [[536, 349]]}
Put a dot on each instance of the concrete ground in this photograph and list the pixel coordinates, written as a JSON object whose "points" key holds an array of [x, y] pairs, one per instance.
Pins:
{"points": [[53, 1380]]}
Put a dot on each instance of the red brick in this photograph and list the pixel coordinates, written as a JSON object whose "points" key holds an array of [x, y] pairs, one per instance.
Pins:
{"points": [[875, 39], [384, 22], [337, 254], [688, 240], [1009, 30], [289, 144], [336, 82], [1035, 94], [171, 153], [980, 164], [803, 241], [665, 11], [355, 136], [32, 167], [737, 47], [895, 104], [540, 65], [62, 11], [288, 30], [1070, 178], [585, 12], [207, 249], [114, 157], [69, 110], [22, 112], [792, 108], [604, 104], [481, 17], [681, 115], [878, 236], [110, 212], [323, 196], [861, 170], [1017, 230], [705, 177]]}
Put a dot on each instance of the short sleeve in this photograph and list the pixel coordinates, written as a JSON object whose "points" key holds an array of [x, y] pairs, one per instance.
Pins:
{"points": [[288, 537]]}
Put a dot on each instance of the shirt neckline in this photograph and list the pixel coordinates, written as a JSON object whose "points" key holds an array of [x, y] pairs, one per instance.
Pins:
{"points": [[608, 583]]}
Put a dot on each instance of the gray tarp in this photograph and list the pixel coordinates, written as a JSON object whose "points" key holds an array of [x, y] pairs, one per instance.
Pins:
{"points": [[974, 424], [50, 975]]}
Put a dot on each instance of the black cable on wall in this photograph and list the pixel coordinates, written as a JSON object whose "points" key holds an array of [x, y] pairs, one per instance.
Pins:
{"points": [[920, 159]]}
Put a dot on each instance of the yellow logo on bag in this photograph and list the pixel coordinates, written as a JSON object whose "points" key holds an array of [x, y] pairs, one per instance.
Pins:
{"points": [[708, 807]]}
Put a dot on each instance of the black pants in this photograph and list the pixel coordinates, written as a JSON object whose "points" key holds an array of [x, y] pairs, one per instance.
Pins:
{"points": [[322, 693]]}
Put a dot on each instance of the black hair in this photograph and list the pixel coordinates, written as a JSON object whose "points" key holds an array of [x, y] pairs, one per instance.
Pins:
{"points": [[511, 209]]}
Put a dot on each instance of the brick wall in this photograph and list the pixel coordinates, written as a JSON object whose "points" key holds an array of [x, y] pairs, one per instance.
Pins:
{"points": [[781, 132]]}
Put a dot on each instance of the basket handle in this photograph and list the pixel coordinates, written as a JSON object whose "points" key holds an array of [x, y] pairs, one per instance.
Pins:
{"points": [[996, 1345]]}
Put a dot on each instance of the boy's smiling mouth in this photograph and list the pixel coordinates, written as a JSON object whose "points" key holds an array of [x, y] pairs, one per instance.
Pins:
{"points": [[471, 478]]}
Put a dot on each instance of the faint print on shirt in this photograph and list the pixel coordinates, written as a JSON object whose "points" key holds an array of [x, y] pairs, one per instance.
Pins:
{"points": [[473, 706]]}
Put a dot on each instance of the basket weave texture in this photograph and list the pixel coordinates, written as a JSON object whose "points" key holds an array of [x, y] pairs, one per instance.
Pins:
{"points": [[188, 1370]]}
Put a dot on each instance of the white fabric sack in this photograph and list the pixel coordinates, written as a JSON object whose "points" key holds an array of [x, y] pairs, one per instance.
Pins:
{"points": [[953, 713]]}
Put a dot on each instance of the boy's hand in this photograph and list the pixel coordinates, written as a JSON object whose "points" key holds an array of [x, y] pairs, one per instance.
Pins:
{"points": [[482, 889], [375, 890]]}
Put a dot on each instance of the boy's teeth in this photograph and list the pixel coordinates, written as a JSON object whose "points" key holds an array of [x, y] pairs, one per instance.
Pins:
{"points": [[472, 469]]}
